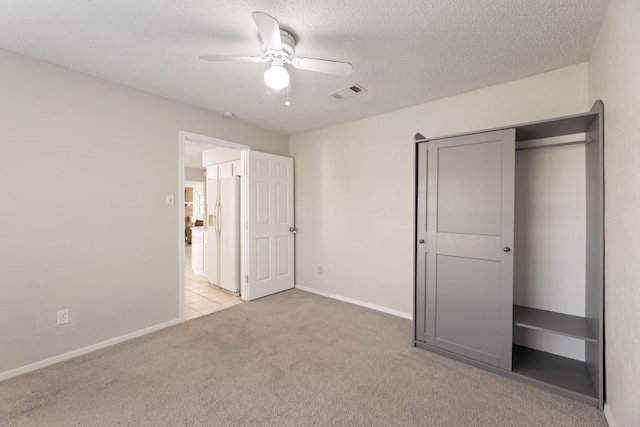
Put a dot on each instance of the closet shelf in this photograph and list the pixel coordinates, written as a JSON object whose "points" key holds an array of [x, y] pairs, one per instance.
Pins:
{"points": [[520, 146], [557, 323], [558, 371], [576, 123]]}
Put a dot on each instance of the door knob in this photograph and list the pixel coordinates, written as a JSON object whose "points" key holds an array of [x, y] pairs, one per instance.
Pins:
{"points": [[506, 249], [421, 241], [293, 230]]}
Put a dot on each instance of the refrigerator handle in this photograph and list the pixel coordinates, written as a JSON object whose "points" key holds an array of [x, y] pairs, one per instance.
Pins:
{"points": [[218, 219]]}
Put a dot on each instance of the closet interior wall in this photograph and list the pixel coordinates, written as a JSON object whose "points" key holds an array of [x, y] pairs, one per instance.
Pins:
{"points": [[549, 248]]}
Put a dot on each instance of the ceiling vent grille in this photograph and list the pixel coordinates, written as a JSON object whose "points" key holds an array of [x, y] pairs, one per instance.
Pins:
{"points": [[348, 92]]}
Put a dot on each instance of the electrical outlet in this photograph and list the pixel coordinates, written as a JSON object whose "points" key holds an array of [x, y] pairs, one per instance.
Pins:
{"points": [[319, 269], [63, 316]]}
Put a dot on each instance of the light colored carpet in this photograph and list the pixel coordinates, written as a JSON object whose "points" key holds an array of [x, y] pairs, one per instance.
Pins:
{"points": [[291, 359]]}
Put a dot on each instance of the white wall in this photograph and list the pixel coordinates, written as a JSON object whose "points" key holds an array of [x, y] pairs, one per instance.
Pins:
{"points": [[355, 183], [92, 243], [218, 155], [193, 174], [614, 77]]}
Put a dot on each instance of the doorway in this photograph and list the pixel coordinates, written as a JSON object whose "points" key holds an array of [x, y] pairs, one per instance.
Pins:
{"points": [[201, 297], [197, 296]]}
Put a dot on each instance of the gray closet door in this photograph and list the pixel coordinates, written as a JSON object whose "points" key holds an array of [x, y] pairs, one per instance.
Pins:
{"points": [[465, 265]]}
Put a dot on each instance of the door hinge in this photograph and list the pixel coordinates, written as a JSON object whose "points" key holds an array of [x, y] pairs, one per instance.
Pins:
{"points": [[246, 279]]}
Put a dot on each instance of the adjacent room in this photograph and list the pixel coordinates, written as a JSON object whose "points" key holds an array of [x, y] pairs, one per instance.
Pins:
{"points": [[320, 213], [211, 251]]}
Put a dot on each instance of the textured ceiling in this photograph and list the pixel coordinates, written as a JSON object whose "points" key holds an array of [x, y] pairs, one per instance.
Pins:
{"points": [[403, 52]]}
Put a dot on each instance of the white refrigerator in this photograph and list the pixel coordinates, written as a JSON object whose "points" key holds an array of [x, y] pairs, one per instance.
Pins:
{"points": [[223, 224]]}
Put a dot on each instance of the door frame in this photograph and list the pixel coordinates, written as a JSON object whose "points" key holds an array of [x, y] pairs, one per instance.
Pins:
{"points": [[184, 136]]}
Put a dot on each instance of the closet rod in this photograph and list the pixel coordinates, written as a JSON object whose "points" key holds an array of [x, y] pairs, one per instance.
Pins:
{"points": [[535, 147]]}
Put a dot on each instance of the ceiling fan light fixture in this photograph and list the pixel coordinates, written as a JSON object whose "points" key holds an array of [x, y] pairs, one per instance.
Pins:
{"points": [[276, 77], [278, 46]]}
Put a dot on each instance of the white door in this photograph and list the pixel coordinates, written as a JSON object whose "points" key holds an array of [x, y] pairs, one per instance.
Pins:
{"points": [[270, 224]]}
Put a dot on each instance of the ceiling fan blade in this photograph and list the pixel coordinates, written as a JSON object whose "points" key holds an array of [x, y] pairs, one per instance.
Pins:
{"points": [[233, 58], [269, 30], [323, 66]]}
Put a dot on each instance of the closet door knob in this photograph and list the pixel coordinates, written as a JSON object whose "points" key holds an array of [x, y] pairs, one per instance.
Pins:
{"points": [[421, 241], [506, 249]]}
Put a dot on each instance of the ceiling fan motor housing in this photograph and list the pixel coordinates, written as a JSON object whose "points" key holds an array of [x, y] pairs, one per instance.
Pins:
{"points": [[288, 46]]}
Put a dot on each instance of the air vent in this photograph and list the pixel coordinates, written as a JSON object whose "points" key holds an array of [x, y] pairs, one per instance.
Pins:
{"points": [[348, 92]]}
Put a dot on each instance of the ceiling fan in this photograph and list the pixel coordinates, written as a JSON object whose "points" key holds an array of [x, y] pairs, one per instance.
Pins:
{"points": [[278, 46]]}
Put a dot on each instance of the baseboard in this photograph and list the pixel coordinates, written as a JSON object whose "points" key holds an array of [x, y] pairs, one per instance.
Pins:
{"points": [[79, 352], [609, 416], [358, 302]]}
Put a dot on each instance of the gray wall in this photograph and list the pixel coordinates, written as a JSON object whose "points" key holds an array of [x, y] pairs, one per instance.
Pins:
{"points": [[614, 77], [94, 161], [355, 184]]}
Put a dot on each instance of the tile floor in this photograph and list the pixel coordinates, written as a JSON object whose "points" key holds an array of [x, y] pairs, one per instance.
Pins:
{"points": [[200, 297]]}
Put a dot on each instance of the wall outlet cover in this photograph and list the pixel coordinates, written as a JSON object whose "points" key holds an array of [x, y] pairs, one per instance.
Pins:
{"points": [[63, 316]]}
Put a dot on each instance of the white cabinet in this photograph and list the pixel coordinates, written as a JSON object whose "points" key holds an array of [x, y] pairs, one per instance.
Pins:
{"points": [[199, 250], [224, 170]]}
